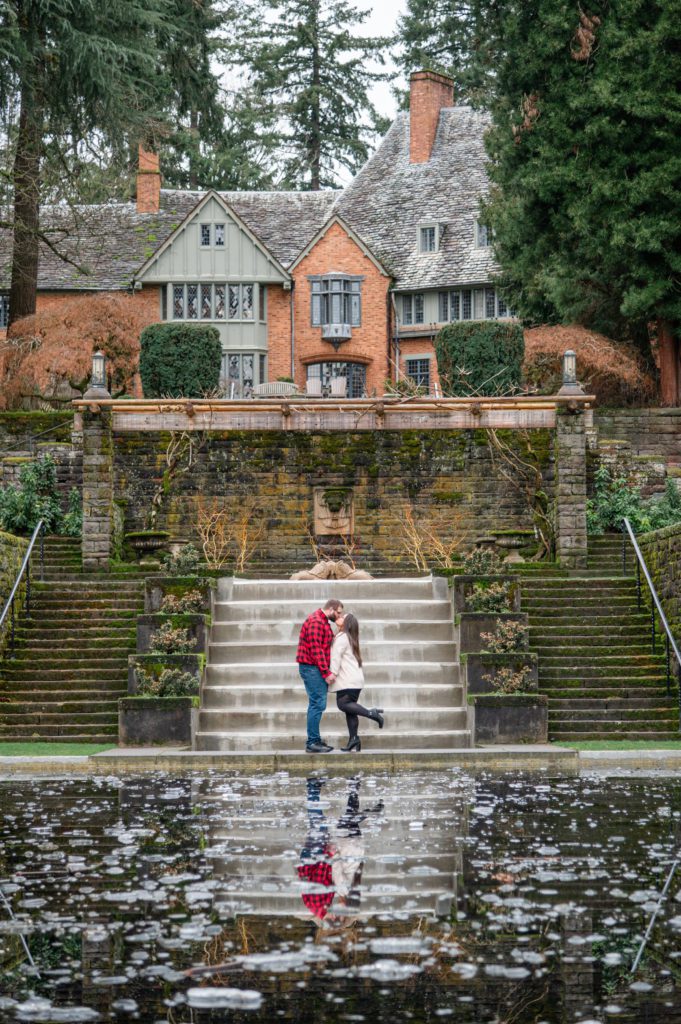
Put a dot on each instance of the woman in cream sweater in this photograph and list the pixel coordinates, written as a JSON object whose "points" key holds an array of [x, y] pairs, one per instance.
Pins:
{"points": [[348, 679]]}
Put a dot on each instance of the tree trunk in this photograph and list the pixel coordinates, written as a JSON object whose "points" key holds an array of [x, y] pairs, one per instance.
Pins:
{"points": [[668, 347], [315, 146], [26, 182], [194, 150]]}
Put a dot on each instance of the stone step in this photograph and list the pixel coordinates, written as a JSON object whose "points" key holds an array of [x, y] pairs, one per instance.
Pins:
{"points": [[578, 713], [70, 647], [28, 671], [624, 733], [95, 684], [373, 652], [372, 739], [574, 623], [317, 592], [298, 610], [284, 631], [57, 697], [74, 732], [579, 659], [282, 720], [614, 685], [87, 604], [396, 695], [38, 706], [10, 717], [422, 903], [622, 725], [421, 673]]}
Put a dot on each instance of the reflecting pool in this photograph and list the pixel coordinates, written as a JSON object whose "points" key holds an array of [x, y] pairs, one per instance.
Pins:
{"points": [[223, 897]]}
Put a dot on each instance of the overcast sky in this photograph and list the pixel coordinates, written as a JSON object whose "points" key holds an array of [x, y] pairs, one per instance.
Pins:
{"points": [[382, 21]]}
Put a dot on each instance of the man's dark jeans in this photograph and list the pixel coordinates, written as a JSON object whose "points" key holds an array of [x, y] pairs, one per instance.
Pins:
{"points": [[317, 691]]}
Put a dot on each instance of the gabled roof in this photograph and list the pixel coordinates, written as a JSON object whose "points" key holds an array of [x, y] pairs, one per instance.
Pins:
{"points": [[359, 242], [390, 197], [229, 212]]}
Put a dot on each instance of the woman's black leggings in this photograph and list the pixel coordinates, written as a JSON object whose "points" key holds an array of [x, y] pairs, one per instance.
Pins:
{"points": [[346, 701]]}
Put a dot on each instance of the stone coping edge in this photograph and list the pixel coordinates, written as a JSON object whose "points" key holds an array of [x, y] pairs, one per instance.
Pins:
{"points": [[492, 758]]}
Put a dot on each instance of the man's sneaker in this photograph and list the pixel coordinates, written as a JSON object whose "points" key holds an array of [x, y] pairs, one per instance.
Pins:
{"points": [[317, 748]]}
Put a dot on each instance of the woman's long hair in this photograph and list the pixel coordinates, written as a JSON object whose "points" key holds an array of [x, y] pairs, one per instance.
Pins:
{"points": [[351, 630]]}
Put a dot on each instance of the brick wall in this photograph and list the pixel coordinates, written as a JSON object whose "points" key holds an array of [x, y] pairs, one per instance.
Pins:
{"points": [[336, 251], [445, 474], [429, 92], [278, 332], [417, 347]]}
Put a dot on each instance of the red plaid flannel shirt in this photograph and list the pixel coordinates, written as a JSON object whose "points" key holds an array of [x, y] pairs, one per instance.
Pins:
{"points": [[318, 903], [314, 645]]}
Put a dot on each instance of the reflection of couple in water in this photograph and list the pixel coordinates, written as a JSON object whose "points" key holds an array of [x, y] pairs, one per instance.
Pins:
{"points": [[333, 864]]}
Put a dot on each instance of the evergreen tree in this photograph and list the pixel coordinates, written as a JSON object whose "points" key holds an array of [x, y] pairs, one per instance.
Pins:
{"points": [[441, 35], [586, 203], [71, 67], [311, 70]]}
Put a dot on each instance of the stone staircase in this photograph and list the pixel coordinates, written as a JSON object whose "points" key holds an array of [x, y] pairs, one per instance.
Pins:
{"points": [[595, 655], [254, 699], [410, 844], [71, 659]]}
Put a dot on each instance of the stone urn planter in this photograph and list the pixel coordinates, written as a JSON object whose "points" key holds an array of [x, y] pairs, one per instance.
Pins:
{"points": [[479, 666], [509, 718], [157, 721], [143, 542]]}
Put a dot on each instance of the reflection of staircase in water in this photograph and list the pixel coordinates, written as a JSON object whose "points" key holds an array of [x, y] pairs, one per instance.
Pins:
{"points": [[412, 846], [254, 699]]}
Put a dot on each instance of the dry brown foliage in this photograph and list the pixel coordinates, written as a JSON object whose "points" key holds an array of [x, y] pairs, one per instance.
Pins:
{"points": [[612, 370], [531, 113], [54, 347], [585, 36], [428, 537], [230, 532]]}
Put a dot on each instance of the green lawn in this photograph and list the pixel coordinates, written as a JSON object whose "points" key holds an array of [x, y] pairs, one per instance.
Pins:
{"points": [[50, 749], [623, 745]]}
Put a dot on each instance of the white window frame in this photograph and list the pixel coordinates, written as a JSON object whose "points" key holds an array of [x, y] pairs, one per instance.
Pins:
{"points": [[479, 298], [209, 227], [428, 225], [408, 309], [201, 286], [341, 305]]}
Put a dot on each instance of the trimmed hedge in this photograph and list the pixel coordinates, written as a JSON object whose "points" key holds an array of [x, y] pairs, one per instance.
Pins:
{"points": [[179, 360], [480, 357]]}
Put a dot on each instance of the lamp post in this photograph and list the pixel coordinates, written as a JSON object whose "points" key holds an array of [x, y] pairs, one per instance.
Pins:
{"points": [[98, 388], [570, 384]]}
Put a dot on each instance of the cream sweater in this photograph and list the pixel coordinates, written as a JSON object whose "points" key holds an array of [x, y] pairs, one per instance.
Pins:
{"points": [[349, 675]]}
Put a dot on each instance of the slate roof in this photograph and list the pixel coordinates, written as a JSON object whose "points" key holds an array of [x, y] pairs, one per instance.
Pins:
{"points": [[390, 196], [384, 205]]}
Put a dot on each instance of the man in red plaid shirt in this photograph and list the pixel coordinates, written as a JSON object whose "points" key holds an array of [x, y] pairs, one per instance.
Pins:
{"points": [[314, 658]]}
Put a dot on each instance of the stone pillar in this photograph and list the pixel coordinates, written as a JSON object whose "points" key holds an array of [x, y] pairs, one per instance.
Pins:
{"points": [[97, 489], [571, 541]]}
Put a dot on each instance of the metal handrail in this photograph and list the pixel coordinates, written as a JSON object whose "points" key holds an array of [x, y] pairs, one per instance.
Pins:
{"points": [[670, 643], [9, 609], [32, 438]]}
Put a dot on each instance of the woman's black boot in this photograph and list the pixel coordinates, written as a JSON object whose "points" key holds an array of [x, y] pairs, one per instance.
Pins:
{"points": [[375, 713], [353, 744]]}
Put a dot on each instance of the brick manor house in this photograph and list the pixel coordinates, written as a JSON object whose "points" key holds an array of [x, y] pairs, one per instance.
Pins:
{"points": [[309, 285]]}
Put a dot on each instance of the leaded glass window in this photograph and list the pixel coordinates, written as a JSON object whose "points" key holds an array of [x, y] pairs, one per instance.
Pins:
{"points": [[466, 304], [502, 308], [233, 301], [219, 230], [178, 302], [4, 310], [205, 234], [454, 306], [428, 239], [336, 300], [355, 374], [443, 307], [206, 302], [407, 313], [262, 303], [490, 304], [418, 370], [219, 302], [192, 301], [246, 301], [418, 308]]}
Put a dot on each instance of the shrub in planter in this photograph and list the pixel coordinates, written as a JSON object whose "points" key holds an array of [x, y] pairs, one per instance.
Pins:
{"points": [[171, 640], [191, 601], [508, 678], [510, 635], [179, 360], [481, 562], [185, 562], [480, 357], [483, 669], [172, 682], [490, 598]]}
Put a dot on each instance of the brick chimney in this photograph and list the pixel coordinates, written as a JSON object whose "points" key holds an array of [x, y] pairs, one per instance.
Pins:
{"points": [[148, 182], [429, 92]]}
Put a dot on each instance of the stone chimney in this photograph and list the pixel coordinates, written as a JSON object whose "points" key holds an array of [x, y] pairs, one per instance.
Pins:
{"points": [[148, 182], [429, 92]]}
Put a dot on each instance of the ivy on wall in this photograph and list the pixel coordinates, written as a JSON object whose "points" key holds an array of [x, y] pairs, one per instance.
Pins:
{"points": [[480, 357]]}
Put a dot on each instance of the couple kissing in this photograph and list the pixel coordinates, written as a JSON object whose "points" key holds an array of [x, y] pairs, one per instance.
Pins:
{"points": [[329, 662]]}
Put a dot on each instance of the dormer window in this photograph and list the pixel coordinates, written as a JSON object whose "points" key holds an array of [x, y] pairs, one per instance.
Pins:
{"points": [[428, 237], [483, 235]]}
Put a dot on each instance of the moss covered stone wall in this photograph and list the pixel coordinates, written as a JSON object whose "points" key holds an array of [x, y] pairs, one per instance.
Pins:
{"points": [[448, 474], [662, 552]]}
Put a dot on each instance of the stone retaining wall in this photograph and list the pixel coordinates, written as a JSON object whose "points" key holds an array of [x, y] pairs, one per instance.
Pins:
{"points": [[650, 432], [661, 550], [449, 476]]}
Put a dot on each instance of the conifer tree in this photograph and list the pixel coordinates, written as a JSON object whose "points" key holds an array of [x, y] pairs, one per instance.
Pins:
{"points": [[311, 69], [71, 67], [586, 205], [440, 35]]}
